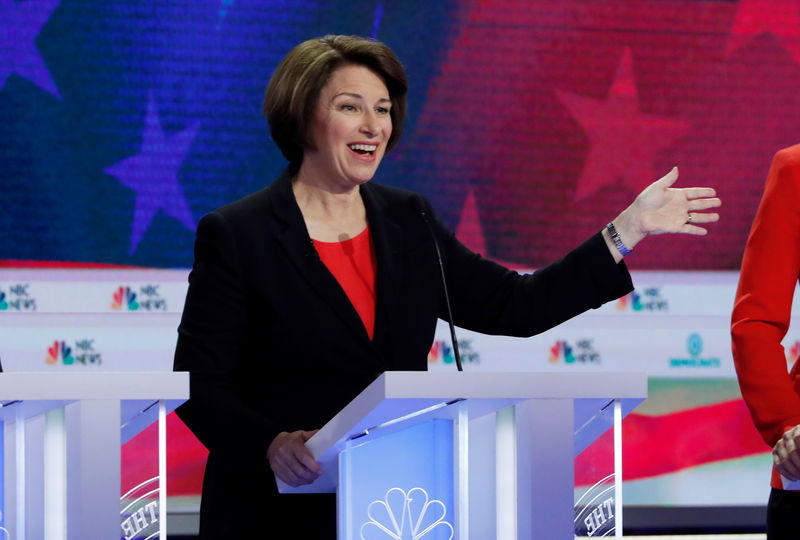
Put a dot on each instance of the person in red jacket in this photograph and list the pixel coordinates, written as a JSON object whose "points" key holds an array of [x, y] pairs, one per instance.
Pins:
{"points": [[761, 316]]}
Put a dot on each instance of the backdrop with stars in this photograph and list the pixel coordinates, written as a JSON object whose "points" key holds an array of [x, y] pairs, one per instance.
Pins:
{"points": [[531, 124]]}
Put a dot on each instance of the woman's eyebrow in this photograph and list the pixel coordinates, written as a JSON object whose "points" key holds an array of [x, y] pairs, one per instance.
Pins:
{"points": [[359, 96]]}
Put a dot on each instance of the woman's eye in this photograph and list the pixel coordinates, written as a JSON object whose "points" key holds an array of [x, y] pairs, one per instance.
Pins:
{"points": [[348, 107], [382, 111]]}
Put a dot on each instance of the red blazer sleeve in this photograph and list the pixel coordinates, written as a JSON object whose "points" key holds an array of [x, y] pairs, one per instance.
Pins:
{"points": [[762, 309]]}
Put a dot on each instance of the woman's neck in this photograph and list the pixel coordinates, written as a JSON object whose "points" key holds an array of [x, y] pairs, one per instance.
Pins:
{"points": [[330, 215]]}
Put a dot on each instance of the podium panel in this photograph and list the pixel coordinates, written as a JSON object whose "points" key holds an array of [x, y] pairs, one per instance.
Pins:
{"points": [[595, 492], [487, 455], [62, 434], [139, 508], [400, 485], [143, 486]]}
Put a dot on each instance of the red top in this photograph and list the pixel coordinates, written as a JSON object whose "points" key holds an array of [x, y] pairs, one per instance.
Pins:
{"points": [[352, 263], [762, 311]]}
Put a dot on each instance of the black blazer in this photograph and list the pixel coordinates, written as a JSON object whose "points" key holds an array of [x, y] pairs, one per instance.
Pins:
{"points": [[273, 344]]}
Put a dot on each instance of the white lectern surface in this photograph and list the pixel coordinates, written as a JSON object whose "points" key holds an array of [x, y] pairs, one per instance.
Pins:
{"points": [[87, 417], [417, 396]]}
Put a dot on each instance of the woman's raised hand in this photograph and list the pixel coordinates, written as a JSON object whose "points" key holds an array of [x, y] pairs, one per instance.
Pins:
{"points": [[661, 209]]}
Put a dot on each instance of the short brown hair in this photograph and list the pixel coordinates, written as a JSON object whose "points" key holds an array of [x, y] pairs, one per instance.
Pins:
{"points": [[294, 89]]}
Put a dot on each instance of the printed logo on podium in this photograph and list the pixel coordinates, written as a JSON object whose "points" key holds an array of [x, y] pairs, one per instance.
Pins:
{"points": [[646, 300], [401, 516], [442, 352], [583, 352], [18, 298], [62, 353], [694, 346], [59, 350], [140, 514], [594, 511], [126, 298]]}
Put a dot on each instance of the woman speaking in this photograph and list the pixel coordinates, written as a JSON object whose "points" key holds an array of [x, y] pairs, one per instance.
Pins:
{"points": [[302, 293]]}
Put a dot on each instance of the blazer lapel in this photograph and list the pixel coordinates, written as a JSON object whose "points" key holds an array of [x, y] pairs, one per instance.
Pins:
{"points": [[387, 237], [293, 236]]}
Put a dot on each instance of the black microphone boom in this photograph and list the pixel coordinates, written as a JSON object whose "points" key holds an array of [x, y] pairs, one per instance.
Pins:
{"points": [[419, 206]]}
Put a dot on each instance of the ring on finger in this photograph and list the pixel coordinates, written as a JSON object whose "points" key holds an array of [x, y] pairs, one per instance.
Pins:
{"points": [[689, 219]]}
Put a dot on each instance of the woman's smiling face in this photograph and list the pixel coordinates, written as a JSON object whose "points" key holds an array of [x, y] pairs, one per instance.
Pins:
{"points": [[351, 127]]}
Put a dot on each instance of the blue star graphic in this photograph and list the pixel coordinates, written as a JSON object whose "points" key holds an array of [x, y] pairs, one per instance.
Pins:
{"points": [[20, 23], [153, 175]]}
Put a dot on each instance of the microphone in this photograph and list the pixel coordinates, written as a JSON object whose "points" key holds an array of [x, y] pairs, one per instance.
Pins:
{"points": [[419, 206], [312, 250]]}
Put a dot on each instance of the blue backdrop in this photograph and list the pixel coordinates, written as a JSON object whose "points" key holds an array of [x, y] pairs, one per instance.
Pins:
{"points": [[123, 122]]}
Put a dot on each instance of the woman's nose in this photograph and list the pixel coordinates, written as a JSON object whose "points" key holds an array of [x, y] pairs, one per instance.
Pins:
{"points": [[370, 125]]}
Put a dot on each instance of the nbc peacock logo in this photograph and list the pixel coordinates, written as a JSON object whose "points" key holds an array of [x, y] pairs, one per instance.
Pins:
{"points": [[124, 298], [630, 302], [442, 352], [59, 351], [648, 299], [583, 352], [401, 516], [561, 351], [3, 303]]}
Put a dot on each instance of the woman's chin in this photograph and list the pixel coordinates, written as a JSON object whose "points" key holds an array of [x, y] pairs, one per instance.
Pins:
{"points": [[362, 176]]}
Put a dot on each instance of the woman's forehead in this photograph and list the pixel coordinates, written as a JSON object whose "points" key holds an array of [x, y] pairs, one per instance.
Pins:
{"points": [[353, 79]]}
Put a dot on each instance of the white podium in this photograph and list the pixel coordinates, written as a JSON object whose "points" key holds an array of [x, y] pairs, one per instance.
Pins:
{"points": [[62, 437], [433, 455]]}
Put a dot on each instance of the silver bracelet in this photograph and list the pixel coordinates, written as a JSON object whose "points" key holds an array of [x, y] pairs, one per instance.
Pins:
{"points": [[617, 240]]}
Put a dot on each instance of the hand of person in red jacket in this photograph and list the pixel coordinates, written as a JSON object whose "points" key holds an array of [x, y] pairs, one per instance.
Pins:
{"points": [[786, 454]]}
